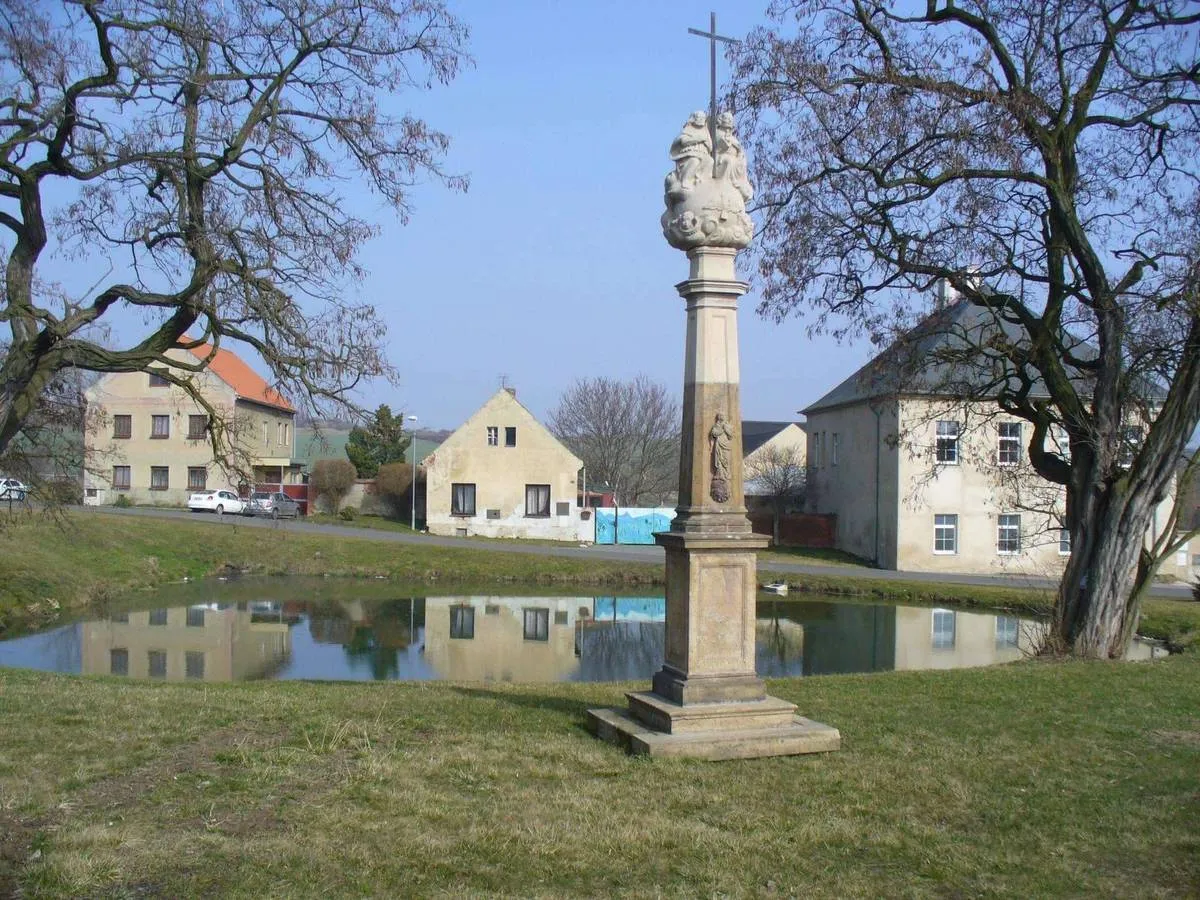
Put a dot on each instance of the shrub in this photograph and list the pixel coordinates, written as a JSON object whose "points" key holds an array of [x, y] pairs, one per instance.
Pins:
{"points": [[393, 483], [330, 481], [122, 501], [347, 514]]}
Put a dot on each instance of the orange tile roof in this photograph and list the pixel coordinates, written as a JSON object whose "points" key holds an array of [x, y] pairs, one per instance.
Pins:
{"points": [[248, 384]]}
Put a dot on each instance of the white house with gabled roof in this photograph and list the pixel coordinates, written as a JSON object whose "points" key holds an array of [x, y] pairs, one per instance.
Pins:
{"points": [[502, 474]]}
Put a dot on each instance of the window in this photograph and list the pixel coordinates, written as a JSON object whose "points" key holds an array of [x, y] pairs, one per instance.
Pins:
{"points": [[266, 433], [122, 426], [120, 478], [1007, 629], [1008, 533], [193, 663], [560, 617], [510, 436], [1064, 541], [157, 660], [824, 447], [945, 533], [462, 499], [197, 427], [1058, 441], [158, 617], [160, 427], [943, 629], [462, 623], [946, 449], [1131, 440], [197, 478], [1009, 450], [160, 478], [537, 624], [562, 509], [835, 450], [195, 617], [157, 380], [282, 433], [493, 434], [118, 661], [537, 500]]}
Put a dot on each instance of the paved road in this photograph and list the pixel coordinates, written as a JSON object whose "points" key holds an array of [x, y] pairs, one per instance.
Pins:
{"points": [[595, 551]]}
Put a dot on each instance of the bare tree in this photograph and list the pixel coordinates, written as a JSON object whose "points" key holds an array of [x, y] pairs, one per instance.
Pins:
{"points": [[626, 433], [780, 474], [198, 154], [1042, 159]]}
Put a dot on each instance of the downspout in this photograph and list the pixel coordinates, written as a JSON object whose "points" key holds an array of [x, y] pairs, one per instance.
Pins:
{"points": [[878, 434]]}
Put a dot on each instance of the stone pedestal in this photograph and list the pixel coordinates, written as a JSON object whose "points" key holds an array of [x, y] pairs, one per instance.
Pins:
{"points": [[707, 701]]}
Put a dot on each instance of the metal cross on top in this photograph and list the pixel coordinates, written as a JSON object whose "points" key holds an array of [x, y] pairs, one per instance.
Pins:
{"points": [[713, 37]]}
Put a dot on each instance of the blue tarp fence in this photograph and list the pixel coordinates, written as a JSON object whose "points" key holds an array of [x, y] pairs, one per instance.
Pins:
{"points": [[631, 524]]}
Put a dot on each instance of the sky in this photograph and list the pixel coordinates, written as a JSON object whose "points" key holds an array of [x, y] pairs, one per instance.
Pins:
{"points": [[552, 266]]}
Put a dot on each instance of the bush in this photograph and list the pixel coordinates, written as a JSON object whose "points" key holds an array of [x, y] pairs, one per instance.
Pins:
{"points": [[347, 514], [393, 483], [61, 491], [330, 481], [122, 501]]}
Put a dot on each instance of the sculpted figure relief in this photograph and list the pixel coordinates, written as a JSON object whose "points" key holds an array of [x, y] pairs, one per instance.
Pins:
{"points": [[707, 192], [720, 436]]}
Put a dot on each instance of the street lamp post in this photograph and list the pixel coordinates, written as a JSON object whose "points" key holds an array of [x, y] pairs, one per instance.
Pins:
{"points": [[412, 523]]}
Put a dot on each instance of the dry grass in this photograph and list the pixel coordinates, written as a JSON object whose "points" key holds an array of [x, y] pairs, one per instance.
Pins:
{"points": [[1036, 779]]}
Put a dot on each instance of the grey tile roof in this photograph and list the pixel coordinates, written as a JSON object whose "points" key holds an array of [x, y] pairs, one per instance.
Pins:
{"points": [[946, 355], [756, 432]]}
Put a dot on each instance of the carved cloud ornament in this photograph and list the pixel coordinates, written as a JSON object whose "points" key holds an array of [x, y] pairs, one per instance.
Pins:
{"points": [[706, 194]]}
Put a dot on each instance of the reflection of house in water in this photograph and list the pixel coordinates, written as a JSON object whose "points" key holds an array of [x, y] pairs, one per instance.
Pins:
{"points": [[843, 637], [502, 638], [196, 642]]}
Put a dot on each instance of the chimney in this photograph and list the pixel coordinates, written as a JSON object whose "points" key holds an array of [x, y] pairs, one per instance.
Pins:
{"points": [[512, 391]]}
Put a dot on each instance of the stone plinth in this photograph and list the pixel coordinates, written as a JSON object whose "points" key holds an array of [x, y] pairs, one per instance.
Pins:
{"points": [[707, 700]]}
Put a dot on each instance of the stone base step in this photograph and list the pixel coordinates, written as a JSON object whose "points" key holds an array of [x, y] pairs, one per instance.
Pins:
{"points": [[799, 736], [661, 714]]}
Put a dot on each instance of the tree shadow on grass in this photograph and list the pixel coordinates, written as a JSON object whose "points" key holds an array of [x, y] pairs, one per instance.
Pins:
{"points": [[576, 710]]}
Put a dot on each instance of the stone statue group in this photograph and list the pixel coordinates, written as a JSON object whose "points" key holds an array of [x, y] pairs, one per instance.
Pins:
{"points": [[707, 193]]}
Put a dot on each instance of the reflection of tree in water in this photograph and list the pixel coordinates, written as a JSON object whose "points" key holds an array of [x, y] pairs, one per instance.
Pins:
{"points": [[778, 648], [620, 651], [364, 647], [385, 628]]}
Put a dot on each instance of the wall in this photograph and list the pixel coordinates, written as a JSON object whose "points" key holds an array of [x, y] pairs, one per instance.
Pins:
{"points": [[631, 524], [797, 529], [847, 488], [500, 475]]}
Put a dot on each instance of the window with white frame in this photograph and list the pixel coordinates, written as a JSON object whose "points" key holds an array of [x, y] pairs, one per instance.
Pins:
{"points": [[1131, 440], [1008, 629], [1064, 540], [943, 629], [493, 436], [1008, 533], [1009, 449], [824, 447], [946, 446], [945, 533], [835, 450]]}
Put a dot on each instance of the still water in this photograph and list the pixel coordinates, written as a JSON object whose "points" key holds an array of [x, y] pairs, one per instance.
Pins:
{"points": [[289, 628]]}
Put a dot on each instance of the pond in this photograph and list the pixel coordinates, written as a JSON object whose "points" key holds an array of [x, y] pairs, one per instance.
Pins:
{"points": [[293, 628]]}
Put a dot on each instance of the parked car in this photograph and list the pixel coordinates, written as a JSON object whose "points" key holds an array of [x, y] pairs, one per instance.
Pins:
{"points": [[274, 504], [12, 490], [220, 502]]}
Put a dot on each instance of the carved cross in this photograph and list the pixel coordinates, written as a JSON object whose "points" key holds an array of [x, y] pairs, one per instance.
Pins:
{"points": [[713, 37]]}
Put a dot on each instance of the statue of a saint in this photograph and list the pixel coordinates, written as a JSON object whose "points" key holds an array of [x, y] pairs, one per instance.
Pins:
{"points": [[692, 153], [731, 158], [720, 436]]}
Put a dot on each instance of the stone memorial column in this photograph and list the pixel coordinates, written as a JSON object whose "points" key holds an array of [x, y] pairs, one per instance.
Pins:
{"points": [[707, 701]]}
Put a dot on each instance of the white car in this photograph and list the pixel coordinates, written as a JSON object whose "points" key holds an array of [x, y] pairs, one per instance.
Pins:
{"points": [[12, 490], [220, 502]]}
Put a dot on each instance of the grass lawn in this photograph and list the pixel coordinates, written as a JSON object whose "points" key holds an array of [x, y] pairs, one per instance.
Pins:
{"points": [[1029, 780]]}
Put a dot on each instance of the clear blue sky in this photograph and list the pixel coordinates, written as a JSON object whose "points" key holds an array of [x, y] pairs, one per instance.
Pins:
{"points": [[553, 266]]}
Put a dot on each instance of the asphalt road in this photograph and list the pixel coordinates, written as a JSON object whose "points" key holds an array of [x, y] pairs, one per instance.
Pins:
{"points": [[622, 553]]}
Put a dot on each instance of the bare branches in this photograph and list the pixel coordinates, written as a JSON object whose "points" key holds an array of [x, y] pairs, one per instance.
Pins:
{"points": [[206, 147], [626, 433]]}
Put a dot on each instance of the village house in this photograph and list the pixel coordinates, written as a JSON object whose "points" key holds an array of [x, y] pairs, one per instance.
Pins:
{"points": [[920, 478], [765, 444], [503, 474], [149, 441]]}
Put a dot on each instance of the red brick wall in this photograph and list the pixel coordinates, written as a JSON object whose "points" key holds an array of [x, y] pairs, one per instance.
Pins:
{"points": [[798, 529]]}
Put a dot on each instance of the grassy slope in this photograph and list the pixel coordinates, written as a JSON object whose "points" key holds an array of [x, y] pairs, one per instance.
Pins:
{"points": [[47, 566], [1034, 779]]}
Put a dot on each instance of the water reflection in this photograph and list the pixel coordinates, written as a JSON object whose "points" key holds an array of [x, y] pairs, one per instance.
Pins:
{"points": [[293, 629]]}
